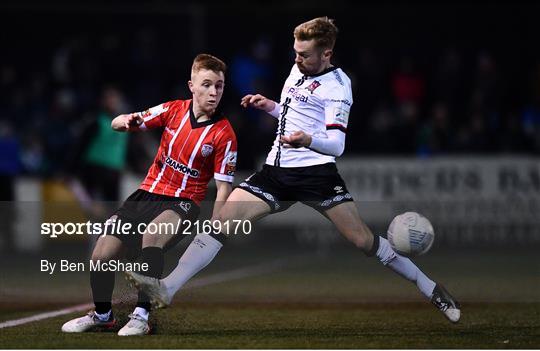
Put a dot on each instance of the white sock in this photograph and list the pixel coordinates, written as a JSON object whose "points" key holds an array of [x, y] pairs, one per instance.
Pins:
{"points": [[404, 267], [141, 312], [198, 255], [103, 316]]}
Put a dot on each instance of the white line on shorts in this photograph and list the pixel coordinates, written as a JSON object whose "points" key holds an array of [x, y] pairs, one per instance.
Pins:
{"points": [[231, 275]]}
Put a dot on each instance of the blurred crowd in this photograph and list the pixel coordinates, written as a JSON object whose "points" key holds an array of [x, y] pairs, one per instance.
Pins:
{"points": [[458, 104], [462, 102]]}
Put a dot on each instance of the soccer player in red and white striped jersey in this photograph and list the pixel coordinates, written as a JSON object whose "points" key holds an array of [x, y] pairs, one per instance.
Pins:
{"points": [[198, 143], [182, 166]]}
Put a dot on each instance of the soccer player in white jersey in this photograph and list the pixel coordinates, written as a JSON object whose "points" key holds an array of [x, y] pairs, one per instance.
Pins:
{"points": [[313, 114]]}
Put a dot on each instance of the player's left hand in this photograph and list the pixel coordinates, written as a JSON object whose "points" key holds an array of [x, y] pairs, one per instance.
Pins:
{"points": [[296, 139]]}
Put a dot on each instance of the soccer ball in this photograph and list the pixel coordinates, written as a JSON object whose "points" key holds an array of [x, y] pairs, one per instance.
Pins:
{"points": [[410, 234]]}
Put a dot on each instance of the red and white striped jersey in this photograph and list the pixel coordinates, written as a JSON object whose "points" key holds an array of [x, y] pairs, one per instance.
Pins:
{"points": [[190, 153]]}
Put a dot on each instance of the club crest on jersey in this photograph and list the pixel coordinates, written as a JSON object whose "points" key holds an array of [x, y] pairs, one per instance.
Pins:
{"points": [[206, 150], [311, 88]]}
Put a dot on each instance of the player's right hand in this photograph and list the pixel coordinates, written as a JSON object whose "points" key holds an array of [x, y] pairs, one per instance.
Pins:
{"points": [[257, 101], [133, 120]]}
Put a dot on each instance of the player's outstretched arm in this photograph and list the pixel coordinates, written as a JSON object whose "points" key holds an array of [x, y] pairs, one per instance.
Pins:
{"points": [[262, 103], [127, 122]]}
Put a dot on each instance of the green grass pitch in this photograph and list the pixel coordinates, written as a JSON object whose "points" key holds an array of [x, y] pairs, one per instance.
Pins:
{"points": [[338, 300]]}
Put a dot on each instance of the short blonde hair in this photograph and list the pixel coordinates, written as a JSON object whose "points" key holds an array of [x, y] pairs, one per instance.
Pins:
{"points": [[209, 62], [322, 29]]}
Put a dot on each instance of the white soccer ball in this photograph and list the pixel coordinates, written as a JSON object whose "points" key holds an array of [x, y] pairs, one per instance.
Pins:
{"points": [[410, 234]]}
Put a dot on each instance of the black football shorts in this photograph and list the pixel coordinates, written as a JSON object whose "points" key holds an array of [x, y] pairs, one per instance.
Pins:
{"points": [[320, 187], [143, 207]]}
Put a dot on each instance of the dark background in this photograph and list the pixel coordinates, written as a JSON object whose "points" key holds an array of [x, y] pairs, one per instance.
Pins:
{"points": [[428, 79]]}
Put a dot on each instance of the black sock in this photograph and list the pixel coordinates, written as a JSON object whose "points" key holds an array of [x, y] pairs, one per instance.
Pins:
{"points": [[153, 256], [222, 238], [143, 301], [102, 284]]}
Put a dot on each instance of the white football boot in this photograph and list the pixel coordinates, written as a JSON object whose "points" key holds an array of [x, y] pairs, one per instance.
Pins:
{"points": [[137, 325], [446, 303], [153, 287], [88, 322]]}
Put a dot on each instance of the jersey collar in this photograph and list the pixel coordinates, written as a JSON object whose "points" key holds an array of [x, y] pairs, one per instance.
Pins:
{"points": [[323, 72], [194, 124]]}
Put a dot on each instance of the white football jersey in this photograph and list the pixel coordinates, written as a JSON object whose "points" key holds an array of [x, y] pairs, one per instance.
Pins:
{"points": [[313, 104]]}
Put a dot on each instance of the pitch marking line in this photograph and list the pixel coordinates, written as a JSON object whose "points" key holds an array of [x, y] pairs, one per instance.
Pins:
{"points": [[231, 275]]}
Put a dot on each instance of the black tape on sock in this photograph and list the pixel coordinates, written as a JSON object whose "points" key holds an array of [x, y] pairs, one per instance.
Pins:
{"points": [[222, 238], [375, 247]]}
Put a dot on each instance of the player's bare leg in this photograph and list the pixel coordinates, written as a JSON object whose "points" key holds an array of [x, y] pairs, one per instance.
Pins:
{"points": [[243, 206], [166, 222], [347, 220], [102, 282], [240, 205]]}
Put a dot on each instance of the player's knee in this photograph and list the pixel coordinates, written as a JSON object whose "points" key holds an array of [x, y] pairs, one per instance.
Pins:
{"points": [[102, 252], [224, 215]]}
